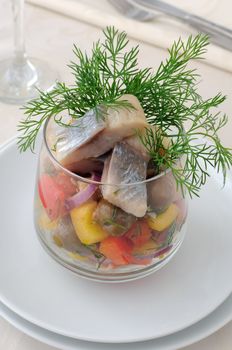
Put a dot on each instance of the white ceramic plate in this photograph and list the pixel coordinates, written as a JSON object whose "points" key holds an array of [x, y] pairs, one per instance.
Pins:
{"points": [[188, 336], [190, 287]]}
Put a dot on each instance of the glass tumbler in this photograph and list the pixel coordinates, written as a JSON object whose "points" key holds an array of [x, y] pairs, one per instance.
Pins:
{"points": [[95, 239]]}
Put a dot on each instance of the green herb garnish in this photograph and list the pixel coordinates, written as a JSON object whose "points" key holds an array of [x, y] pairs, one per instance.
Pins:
{"points": [[94, 250], [168, 96], [111, 222], [55, 144], [114, 213]]}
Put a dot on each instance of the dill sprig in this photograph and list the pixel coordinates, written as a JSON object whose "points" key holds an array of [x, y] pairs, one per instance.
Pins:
{"points": [[168, 96]]}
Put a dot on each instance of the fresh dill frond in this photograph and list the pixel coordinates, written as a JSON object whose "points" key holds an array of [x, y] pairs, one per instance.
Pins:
{"points": [[180, 120], [99, 80]]}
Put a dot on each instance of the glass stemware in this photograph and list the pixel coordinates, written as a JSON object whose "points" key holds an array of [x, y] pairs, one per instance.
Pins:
{"points": [[20, 76]]}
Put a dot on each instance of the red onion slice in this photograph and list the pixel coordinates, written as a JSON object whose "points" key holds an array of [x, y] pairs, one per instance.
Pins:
{"points": [[96, 177], [82, 196]]}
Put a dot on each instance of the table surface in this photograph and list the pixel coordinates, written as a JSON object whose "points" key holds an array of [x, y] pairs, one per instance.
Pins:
{"points": [[50, 37]]}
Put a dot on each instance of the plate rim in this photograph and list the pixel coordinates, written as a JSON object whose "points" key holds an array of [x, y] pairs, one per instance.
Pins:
{"points": [[199, 335], [27, 317]]}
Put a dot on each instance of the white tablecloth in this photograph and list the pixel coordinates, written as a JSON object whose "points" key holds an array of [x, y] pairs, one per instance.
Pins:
{"points": [[50, 36], [161, 31]]}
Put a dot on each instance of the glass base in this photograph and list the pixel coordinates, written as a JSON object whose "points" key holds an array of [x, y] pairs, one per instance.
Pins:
{"points": [[111, 276], [20, 79]]}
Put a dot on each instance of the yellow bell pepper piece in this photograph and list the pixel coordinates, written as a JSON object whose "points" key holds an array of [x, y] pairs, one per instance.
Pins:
{"points": [[165, 219], [87, 231]]}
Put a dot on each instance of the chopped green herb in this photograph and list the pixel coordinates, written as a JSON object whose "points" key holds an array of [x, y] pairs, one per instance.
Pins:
{"points": [[100, 263], [55, 144], [116, 192], [150, 209], [94, 251], [109, 222], [171, 232], [114, 213]]}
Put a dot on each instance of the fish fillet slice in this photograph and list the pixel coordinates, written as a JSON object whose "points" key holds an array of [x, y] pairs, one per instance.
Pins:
{"points": [[69, 139], [120, 123], [125, 166]]}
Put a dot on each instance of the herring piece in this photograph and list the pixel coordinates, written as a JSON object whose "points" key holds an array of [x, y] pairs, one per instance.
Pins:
{"points": [[88, 166], [135, 142], [66, 235], [162, 192], [124, 167], [81, 131], [112, 219], [120, 123]]}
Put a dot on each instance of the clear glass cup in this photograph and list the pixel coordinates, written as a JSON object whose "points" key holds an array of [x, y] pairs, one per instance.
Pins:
{"points": [[84, 240], [20, 76]]}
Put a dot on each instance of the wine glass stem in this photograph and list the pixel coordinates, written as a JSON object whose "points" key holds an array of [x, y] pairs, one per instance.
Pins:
{"points": [[19, 39]]}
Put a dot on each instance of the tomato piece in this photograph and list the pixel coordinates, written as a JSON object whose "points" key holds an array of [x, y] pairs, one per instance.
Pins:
{"points": [[117, 249], [52, 197], [53, 190], [139, 233], [65, 184]]}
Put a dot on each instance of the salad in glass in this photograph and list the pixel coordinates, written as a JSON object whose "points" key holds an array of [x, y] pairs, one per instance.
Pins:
{"points": [[109, 209]]}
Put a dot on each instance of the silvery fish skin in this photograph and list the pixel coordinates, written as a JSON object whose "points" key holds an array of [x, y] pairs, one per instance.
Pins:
{"points": [[135, 142], [162, 192], [125, 166], [82, 130], [120, 123]]}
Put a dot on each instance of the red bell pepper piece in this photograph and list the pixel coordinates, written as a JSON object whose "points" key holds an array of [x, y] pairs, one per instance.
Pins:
{"points": [[65, 183]]}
